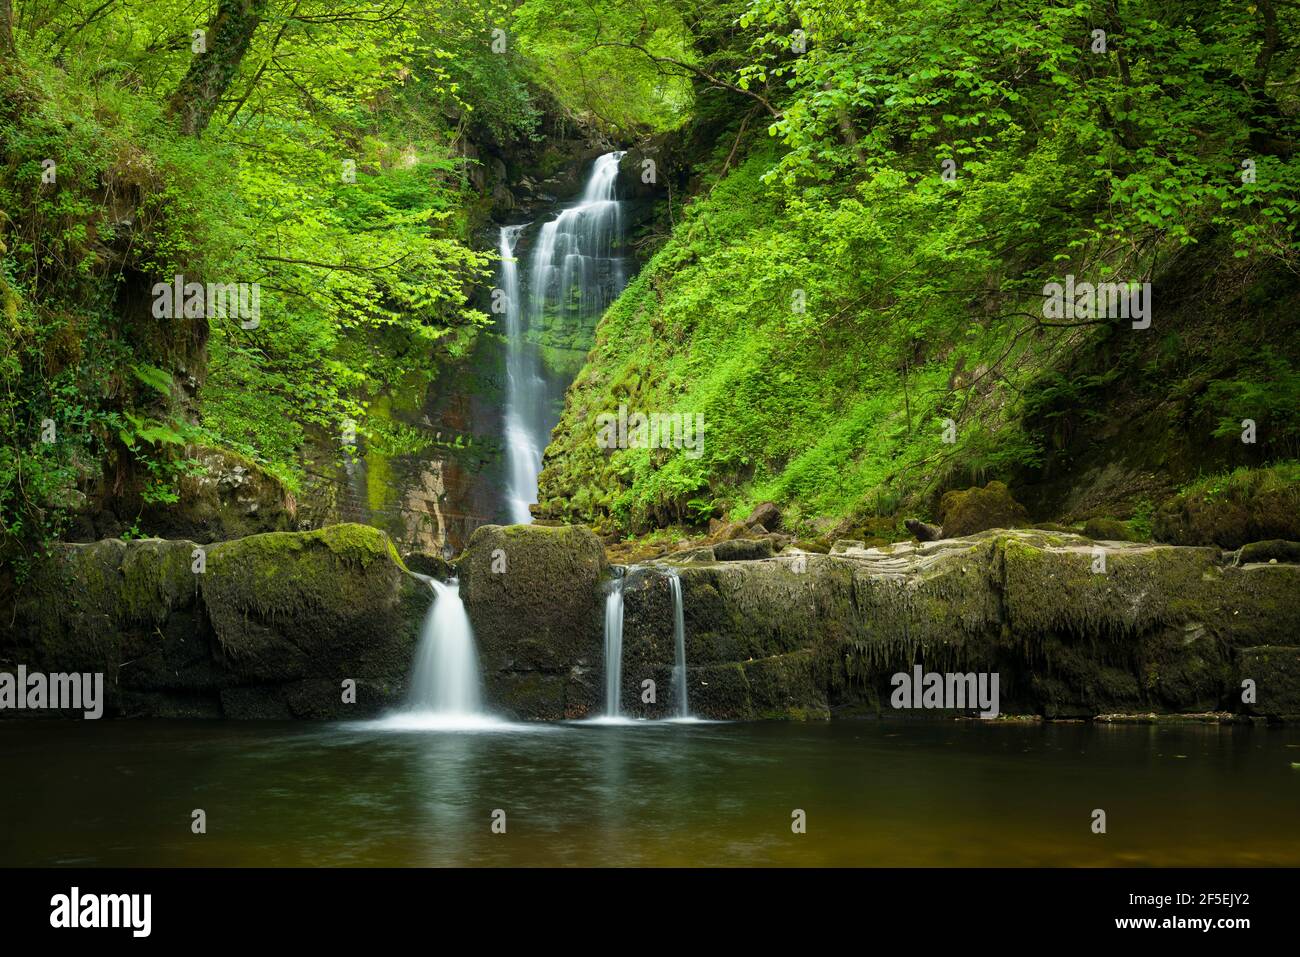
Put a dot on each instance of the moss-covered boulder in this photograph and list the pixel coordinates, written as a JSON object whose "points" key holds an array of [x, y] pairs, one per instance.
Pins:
{"points": [[535, 597], [1246, 505], [743, 549], [978, 509], [128, 609], [265, 626], [1108, 530], [288, 606], [1274, 550]]}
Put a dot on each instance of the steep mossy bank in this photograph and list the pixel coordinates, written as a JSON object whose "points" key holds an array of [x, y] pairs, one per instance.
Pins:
{"points": [[271, 626], [853, 295]]}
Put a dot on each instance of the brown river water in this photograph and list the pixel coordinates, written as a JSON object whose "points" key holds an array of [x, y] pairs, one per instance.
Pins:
{"points": [[648, 793]]}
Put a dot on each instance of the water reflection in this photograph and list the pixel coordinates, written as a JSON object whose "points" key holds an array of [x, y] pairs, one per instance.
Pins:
{"points": [[646, 793]]}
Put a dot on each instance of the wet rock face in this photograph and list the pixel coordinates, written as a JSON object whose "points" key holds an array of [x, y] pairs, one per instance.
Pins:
{"points": [[534, 595], [1274, 671], [1150, 628], [271, 627], [276, 623]]}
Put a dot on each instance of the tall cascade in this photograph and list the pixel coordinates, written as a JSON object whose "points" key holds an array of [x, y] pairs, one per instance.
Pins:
{"points": [[445, 680], [614, 648], [576, 270], [523, 392], [679, 645]]}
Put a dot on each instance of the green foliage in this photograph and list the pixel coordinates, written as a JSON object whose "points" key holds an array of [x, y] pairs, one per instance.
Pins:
{"points": [[1268, 396], [625, 64], [834, 305], [834, 302], [361, 282]]}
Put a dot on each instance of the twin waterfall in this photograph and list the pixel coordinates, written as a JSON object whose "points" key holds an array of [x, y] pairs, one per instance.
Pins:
{"points": [[576, 270], [614, 646]]}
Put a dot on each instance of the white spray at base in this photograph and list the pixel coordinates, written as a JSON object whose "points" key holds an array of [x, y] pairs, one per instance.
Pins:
{"points": [[445, 692]]}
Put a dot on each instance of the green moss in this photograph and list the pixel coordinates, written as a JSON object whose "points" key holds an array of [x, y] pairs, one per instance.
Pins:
{"points": [[1234, 508], [156, 577], [1108, 530], [977, 509], [300, 579], [1057, 590]]}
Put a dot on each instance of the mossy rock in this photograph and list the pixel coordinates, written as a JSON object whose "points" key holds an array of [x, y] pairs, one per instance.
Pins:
{"points": [[232, 497], [786, 687], [128, 609], [334, 603], [1248, 505], [716, 691], [1108, 530], [821, 546], [177, 636], [743, 549], [1275, 550], [433, 566], [1275, 669], [534, 595], [978, 509]]}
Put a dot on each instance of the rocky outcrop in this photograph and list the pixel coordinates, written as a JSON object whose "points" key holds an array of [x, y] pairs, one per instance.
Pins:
{"points": [[923, 531], [1248, 505], [227, 497], [275, 623], [534, 595], [1074, 629], [265, 626]]}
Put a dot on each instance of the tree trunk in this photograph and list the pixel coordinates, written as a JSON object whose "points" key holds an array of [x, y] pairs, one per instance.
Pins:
{"points": [[227, 40], [7, 28]]}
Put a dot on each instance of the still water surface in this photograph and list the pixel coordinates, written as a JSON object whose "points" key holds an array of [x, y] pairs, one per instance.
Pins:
{"points": [[650, 793]]}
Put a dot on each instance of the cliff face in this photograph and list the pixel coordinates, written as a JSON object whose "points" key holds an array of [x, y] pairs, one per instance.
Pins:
{"points": [[278, 621]]}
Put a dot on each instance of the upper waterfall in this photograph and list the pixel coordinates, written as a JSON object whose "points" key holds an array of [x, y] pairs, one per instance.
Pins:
{"points": [[575, 271]]}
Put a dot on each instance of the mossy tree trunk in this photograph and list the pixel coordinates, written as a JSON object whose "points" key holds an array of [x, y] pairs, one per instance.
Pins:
{"points": [[7, 28], [228, 36]]}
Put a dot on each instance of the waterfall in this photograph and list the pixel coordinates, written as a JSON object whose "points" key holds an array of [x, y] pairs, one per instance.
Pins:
{"points": [[523, 455], [445, 679], [576, 270], [613, 647], [679, 643]]}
